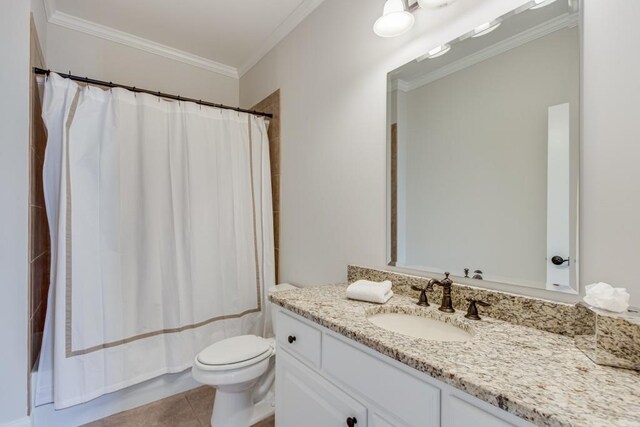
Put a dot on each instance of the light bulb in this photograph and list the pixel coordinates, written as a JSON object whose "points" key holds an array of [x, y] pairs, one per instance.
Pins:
{"points": [[395, 20]]}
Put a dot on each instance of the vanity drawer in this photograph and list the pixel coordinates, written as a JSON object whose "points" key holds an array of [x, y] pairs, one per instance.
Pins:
{"points": [[298, 338], [389, 388]]}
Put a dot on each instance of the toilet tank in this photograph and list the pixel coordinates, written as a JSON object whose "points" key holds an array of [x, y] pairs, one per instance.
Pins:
{"points": [[277, 288]]}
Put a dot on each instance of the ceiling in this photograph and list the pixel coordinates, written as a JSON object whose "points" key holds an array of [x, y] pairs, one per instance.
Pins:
{"points": [[226, 36]]}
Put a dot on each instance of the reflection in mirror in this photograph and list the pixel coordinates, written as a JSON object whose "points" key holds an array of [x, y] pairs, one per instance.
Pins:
{"points": [[484, 152]]}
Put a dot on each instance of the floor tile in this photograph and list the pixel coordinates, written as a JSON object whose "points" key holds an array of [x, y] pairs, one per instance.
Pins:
{"points": [[269, 422], [172, 411], [201, 401], [190, 409]]}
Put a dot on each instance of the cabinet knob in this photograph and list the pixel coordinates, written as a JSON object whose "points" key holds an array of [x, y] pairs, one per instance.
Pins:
{"points": [[352, 421], [291, 339]]}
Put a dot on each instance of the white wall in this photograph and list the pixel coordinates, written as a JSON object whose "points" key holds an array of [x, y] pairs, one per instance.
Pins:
{"points": [[332, 74], [610, 228], [14, 186], [40, 19], [477, 161], [90, 56], [332, 71]]}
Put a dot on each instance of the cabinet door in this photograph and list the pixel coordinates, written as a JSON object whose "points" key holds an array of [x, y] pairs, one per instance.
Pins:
{"points": [[464, 414], [391, 391], [462, 410], [303, 398], [379, 421]]}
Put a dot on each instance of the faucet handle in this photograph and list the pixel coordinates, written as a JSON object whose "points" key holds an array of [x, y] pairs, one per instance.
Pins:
{"points": [[446, 280], [472, 311], [423, 300]]}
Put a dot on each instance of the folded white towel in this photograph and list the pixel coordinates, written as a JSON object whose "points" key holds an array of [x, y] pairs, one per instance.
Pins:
{"points": [[366, 290]]}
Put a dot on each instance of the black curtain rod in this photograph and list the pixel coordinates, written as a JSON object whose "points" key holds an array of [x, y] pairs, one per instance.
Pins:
{"points": [[160, 94]]}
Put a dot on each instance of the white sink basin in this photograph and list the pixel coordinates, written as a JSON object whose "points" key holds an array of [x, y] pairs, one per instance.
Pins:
{"points": [[419, 327]]}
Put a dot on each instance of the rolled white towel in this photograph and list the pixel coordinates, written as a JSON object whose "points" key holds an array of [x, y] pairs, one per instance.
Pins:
{"points": [[366, 290]]}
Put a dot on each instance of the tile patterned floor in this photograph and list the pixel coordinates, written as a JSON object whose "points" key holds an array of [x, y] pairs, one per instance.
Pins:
{"points": [[190, 409]]}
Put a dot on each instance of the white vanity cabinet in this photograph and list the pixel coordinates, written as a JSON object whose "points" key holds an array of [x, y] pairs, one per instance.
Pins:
{"points": [[310, 400], [324, 379]]}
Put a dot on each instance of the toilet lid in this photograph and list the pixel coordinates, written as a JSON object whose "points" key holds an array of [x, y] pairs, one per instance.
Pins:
{"points": [[234, 350]]}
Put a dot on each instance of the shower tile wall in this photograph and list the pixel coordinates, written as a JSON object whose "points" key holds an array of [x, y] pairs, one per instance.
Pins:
{"points": [[271, 104], [39, 244]]}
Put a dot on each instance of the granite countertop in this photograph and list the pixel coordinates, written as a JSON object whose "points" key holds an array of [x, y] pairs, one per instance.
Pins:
{"points": [[536, 375]]}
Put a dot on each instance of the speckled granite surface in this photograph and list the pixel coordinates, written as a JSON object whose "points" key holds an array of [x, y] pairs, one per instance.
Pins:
{"points": [[536, 375], [550, 316]]}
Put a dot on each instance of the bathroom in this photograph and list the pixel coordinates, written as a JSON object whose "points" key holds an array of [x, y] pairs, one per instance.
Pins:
{"points": [[334, 95]]}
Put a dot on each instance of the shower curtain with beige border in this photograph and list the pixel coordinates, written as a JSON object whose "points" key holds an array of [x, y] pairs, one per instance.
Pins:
{"points": [[161, 234]]}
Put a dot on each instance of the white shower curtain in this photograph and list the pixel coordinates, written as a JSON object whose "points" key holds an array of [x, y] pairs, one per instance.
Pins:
{"points": [[161, 232]]}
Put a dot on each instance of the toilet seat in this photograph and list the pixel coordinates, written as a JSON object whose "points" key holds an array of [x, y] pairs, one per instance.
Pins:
{"points": [[242, 371], [234, 353]]}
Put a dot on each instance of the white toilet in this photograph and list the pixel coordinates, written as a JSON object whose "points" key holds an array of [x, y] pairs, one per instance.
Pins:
{"points": [[242, 369]]}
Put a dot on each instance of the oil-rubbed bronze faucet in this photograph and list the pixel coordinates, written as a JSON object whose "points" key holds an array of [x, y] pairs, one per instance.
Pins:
{"points": [[447, 304], [423, 300], [472, 311]]}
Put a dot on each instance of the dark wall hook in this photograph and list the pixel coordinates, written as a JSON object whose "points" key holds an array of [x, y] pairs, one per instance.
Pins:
{"points": [[558, 260]]}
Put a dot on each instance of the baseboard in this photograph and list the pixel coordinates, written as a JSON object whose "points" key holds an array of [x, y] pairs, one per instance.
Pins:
{"points": [[20, 422], [112, 403]]}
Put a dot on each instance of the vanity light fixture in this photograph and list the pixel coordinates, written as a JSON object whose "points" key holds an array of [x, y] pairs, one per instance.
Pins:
{"points": [[438, 51], [485, 28], [395, 19], [435, 52], [541, 3]]}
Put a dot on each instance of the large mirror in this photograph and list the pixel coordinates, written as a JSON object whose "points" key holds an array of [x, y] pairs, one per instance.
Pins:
{"points": [[484, 148]]}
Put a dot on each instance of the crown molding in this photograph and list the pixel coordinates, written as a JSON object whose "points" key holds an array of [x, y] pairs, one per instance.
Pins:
{"points": [[288, 25], [74, 23], [564, 21], [54, 16]]}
